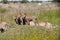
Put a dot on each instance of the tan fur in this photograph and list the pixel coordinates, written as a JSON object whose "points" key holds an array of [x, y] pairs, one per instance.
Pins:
{"points": [[3, 25], [27, 18], [45, 24], [32, 23], [31, 17], [16, 18]]}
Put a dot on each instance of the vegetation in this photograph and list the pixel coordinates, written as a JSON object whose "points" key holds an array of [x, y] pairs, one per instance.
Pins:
{"points": [[24, 1], [17, 32], [25, 32], [56, 0], [30, 33], [3, 10], [2, 13], [50, 16], [5, 1]]}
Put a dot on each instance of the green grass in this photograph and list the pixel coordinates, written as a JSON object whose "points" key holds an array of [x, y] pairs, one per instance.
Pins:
{"points": [[50, 16], [29, 33], [19, 32], [3, 10]]}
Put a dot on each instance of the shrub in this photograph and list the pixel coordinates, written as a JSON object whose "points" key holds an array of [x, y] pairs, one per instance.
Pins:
{"points": [[5, 1]]}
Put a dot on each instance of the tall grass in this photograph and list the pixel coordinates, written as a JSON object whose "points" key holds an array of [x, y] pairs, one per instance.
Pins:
{"points": [[30, 33], [2, 13], [50, 16], [17, 32], [20, 32]]}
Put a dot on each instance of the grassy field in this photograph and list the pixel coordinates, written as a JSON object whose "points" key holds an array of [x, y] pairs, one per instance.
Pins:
{"points": [[30, 33], [20, 32]]}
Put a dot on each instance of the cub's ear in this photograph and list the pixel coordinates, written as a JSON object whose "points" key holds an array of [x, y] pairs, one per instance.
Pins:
{"points": [[14, 17]]}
